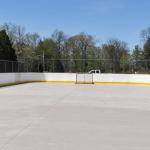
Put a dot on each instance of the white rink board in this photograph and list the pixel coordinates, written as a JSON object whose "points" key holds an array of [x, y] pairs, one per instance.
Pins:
{"points": [[71, 77], [127, 78]]}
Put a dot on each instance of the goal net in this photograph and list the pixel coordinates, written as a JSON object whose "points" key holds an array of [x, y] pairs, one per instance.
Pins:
{"points": [[84, 78]]}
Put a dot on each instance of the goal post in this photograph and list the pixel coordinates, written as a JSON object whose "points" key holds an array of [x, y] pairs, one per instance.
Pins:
{"points": [[82, 78]]}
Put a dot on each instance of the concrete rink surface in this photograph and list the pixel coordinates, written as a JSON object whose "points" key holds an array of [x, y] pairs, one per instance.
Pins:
{"points": [[45, 116]]}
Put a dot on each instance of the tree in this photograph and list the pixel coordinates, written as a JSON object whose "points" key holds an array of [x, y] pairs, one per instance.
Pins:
{"points": [[147, 49], [32, 40], [11, 31], [60, 39], [80, 47], [137, 53], [49, 47], [24, 43], [147, 53], [6, 50], [116, 53], [145, 34], [137, 58], [16, 34]]}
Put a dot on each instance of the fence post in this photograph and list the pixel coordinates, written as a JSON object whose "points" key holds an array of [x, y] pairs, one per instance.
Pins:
{"points": [[53, 65], [27, 66], [146, 65], [38, 67], [18, 66], [12, 66], [5, 66]]}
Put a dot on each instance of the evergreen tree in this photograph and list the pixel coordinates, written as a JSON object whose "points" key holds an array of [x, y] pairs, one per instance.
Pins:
{"points": [[147, 49], [147, 53], [6, 50]]}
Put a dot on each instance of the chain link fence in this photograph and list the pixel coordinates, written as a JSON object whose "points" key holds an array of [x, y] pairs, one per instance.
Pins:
{"points": [[75, 65]]}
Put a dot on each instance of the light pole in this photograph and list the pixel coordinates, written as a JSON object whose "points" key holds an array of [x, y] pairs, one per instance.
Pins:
{"points": [[43, 60]]}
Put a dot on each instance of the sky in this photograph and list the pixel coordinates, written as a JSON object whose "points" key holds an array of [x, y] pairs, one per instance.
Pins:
{"points": [[104, 19]]}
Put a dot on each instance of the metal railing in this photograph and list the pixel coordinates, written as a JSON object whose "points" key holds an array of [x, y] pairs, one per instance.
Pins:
{"points": [[75, 65]]}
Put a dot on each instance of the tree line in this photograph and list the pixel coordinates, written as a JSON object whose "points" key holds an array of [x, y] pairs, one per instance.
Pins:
{"points": [[78, 53]]}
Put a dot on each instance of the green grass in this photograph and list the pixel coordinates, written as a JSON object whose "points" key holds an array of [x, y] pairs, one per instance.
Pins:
{"points": [[12, 84]]}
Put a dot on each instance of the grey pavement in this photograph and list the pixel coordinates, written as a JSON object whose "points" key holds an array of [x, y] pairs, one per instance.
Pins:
{"points": [[46, 116]]}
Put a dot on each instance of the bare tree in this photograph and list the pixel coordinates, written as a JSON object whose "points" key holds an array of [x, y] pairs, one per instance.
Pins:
{"points": [[115, 51]]}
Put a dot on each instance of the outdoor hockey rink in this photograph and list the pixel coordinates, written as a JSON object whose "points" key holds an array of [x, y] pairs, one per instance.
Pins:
{"points": [[48, 116]]}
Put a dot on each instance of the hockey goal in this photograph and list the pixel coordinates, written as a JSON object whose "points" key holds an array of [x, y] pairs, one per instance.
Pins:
{"points": [[84, 78]]}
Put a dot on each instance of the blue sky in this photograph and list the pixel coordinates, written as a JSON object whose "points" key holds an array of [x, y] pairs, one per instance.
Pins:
{"points": [[122, 19]]}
